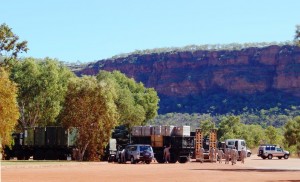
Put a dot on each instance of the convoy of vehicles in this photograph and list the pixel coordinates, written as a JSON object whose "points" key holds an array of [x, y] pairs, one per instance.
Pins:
{"points": [[142, 144], [269, 151]]}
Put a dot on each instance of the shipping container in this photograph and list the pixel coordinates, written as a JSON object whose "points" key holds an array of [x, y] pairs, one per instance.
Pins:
{"points": [[39, 136], [156, 130], [61, 136], [182, 131], [51, 135], [167, 130], [72, 136], [137, 131], [29, 136], [146, 130], [157, 141]]}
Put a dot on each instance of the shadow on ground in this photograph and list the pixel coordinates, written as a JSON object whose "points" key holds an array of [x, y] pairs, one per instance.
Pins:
{"points": [[250, 170]]}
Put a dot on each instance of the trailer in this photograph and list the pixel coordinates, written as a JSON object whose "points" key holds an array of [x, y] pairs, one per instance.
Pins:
{"points": [[42, 143]]}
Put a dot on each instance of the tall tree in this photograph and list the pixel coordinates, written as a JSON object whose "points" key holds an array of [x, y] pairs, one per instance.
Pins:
{"points": [[10, 46], [272, 135], [292, 132], [9, 113], [297, 35], [230, 127], [42, 87], [206, 126], [90, 107], [136, 104]]}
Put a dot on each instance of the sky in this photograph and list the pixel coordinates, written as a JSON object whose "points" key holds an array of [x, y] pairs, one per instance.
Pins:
{"points": [[90, 30]]}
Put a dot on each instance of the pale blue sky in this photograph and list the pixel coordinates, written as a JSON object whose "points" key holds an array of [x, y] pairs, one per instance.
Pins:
{"points": [[90, 30]]}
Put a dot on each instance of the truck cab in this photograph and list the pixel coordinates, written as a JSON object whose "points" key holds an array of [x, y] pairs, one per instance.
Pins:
{"points": [[237, 143]]}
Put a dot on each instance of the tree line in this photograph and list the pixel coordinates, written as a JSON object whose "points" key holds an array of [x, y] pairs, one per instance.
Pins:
{"points": [[44, 92]]}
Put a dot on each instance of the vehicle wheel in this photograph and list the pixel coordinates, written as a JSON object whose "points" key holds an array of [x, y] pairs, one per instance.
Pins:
{"points": [[263, 157], [270, 156], [286, 156], [132, 160], [279, 157], [147, 162], [248, 154], [160, 159], [183, 160]]}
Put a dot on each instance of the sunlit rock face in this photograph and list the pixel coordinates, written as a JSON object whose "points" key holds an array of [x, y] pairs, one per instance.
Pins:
{"points": [[181, 74]]}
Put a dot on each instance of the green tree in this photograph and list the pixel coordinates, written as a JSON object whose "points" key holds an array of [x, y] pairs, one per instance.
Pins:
{"points": [[136, 104], [42, 87], [90, 107], [253, 135], [273, 135], [229, 127], [10, 46], [9, 112], [292, 132], [206, 126]]}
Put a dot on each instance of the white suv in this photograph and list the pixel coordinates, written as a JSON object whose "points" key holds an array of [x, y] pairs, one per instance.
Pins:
{"points": [[270, 151]]}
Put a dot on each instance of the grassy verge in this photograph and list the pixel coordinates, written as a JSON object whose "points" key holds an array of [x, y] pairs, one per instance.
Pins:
{"points": [[33, 162]]}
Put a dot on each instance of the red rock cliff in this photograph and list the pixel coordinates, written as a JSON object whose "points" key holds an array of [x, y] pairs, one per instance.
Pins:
{"points": [[180, 74]]}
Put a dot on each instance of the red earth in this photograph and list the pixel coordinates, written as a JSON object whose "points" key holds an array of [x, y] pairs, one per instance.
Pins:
{"points": [[254, 169]]}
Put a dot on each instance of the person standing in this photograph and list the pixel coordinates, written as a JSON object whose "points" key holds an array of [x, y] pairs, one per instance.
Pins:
{"points": [[233, 155], [243, 155], [167, 154], [201, 155], [123, 157], [220, 155], [212, 154], [227, 155]]}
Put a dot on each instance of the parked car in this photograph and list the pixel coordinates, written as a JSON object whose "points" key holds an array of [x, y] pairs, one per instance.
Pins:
{"points": [[137, 153], [269, 151]]}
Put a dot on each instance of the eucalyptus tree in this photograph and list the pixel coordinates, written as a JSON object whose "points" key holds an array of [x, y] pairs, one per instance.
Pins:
{"points": [[10, 46], [292, 132], [90, 108], [42, 87], [9, 112], [135, 103]]}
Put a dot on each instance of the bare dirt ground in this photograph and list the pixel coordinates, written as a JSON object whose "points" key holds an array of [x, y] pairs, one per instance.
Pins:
{"points": [[254, 169]]}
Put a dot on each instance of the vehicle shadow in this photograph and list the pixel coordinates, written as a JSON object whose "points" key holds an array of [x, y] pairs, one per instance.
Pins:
{"points": [[249, 170]]}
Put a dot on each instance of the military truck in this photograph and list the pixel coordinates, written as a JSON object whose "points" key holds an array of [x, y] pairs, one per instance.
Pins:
{"points": [[185, 144], [42, 143]]}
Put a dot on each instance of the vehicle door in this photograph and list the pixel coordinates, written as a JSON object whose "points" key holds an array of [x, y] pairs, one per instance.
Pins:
{"points": [[279, 152], [128, 152], [273, 151]]}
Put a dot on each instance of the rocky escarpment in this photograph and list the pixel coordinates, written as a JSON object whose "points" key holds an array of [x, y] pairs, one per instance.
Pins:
{"points": [[192, 75]]}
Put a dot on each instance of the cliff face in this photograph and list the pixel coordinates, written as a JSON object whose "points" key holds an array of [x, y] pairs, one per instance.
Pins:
{"points": [[182, 74]]}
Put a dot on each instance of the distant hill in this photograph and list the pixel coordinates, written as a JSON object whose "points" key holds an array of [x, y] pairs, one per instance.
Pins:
{"points": [[195, 80]]}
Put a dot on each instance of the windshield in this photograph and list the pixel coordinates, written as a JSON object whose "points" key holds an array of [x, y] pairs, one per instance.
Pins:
{"points": [[145, 148]]}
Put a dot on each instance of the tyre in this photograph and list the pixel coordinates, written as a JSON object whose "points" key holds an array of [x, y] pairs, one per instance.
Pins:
{"points": [[147, 162], [248, 154], [286, 156], [160, 159], [132, 160], [183, 160], [270, 156], [263, 157], [279, 157]]}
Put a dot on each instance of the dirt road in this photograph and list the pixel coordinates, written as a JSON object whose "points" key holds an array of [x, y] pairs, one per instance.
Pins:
{"points": [[254, 169]]}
